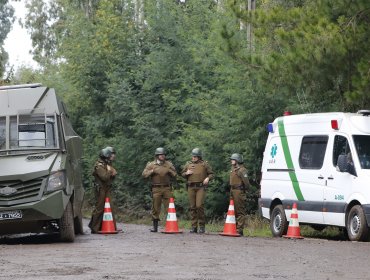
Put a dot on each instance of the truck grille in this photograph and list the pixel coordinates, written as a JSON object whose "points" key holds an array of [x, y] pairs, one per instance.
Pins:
{"points": [[15, 192]]}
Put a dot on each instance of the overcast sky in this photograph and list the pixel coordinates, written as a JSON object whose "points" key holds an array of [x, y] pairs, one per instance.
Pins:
{"points": [[18, 43]]}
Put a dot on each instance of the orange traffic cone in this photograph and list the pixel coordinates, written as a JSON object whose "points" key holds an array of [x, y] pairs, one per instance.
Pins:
{"points": [[107, 226], [293, 229], [171, 222], [230, 224]]}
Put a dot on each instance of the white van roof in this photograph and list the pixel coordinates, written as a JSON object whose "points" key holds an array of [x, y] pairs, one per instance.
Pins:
{"points": [[351, 123]]}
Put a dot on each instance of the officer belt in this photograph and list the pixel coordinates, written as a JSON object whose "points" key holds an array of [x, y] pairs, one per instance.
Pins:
{"points": [[160, 186], [195, 185], [241, 187]]}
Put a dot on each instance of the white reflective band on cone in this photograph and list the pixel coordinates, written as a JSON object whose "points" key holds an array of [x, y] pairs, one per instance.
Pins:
{"points": [[107, 205], [171, 205], [107, 217], [230, 219], [294, 223], [171, 217], [231, 207]]}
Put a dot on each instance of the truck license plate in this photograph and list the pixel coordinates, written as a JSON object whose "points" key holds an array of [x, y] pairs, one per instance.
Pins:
{"points": [[11, 215]]}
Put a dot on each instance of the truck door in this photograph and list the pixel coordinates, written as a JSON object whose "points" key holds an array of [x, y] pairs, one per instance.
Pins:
{"points": [[338, 184]]}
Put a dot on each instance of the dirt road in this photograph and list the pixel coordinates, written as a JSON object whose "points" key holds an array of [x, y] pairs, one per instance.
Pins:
{"points": [[139, 254]]}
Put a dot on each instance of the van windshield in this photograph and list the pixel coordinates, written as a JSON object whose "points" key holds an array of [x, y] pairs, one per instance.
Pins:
{"points": [[25, 132], [362, 144]]}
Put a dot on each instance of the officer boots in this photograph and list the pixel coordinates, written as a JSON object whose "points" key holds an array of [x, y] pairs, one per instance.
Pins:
{"points": [[194, 230], [155, 226], [202, 229]]}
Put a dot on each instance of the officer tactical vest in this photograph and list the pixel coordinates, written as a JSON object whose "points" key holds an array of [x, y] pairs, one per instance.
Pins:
{"points": [[235, 180], [161, 177], [199, 172]]}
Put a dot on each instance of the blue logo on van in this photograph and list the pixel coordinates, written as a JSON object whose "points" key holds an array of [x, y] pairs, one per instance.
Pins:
{"points": [[273, 150]]}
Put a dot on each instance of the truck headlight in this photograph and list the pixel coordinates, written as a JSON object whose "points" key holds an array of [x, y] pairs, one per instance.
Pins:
{"points": [[56, 181]]}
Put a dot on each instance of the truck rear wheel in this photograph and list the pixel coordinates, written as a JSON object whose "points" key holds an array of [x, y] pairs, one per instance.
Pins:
{"points": [[356, 224], [278, 221], [79, 229], [66, 225]]}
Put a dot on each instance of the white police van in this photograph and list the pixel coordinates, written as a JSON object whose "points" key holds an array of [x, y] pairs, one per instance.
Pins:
{"points": [[322, 162]]}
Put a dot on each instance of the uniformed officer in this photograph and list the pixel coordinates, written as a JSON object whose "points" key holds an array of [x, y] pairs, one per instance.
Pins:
{"points": [[198, 173], [239, 184], [160, 171], [104, 174]]}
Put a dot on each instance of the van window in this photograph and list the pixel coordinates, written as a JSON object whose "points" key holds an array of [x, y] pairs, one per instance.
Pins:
{"points": [[362, 144], [313, 152], [340, 147]]}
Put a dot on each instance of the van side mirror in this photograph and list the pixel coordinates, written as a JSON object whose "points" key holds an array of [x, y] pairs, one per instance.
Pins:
{"points": [[342, 163], [344, 166]]}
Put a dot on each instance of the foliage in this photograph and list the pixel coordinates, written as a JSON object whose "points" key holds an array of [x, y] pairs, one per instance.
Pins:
{"points": [[6, 21], [137, 75]]}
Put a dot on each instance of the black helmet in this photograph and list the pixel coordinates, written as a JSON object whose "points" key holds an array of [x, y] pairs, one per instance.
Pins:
{"points": [[196, 152], [237, 157], [160, 151], [107, 152]]}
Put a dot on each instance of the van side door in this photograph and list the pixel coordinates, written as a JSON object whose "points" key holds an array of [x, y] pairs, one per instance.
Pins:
{"points": [[310, 176], [339, 184]]}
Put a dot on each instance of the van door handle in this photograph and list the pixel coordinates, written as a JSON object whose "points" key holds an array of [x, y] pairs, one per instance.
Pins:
{"points": [[330, 178], [320, 177]]}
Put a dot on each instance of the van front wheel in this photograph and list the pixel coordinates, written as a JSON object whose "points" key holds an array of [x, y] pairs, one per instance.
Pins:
{"points": [[356, 224], [278, 221]]}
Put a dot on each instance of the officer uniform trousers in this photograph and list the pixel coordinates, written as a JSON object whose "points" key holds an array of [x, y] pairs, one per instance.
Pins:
{"points": [[161, 194], [97, 214], [239, 197], [197, 195]]}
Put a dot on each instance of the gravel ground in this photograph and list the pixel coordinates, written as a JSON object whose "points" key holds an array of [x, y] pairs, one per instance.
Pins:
{"points": [[138, 254]]}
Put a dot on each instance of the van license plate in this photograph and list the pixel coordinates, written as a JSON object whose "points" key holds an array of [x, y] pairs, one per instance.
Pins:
{"points": [[11, 215]]}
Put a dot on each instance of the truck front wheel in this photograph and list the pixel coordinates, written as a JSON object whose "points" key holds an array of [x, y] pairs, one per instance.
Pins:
{"points": [[66, 225], [356, 224], [278, 221]]}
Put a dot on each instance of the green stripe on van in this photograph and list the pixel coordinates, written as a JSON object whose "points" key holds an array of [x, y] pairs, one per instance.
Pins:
{"points": [[288, 159]]}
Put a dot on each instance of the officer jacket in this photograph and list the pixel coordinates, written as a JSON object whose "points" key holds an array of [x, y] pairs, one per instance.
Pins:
{"points": [[103, 173], [239, 177], [201, 170], [160, 172]]}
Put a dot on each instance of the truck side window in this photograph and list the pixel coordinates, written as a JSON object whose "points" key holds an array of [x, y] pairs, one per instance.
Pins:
{"points": [[2, 133], [312, 152], [340, 147]]}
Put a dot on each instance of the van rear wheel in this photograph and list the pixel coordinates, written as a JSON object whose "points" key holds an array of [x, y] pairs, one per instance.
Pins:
{"points": [[356, 224], [278, 221], [66, 225]]}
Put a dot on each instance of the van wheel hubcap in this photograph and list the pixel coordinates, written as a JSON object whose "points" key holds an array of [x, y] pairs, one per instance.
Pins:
{"points": [[355, 225], [277, 223]]}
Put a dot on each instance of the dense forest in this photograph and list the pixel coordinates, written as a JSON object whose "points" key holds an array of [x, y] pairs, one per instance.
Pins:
{"points": [[137, 75]]}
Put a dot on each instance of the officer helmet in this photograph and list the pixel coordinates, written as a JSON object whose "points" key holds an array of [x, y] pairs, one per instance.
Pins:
{"points": [[196, 152], [160, 151], [237, 157], [107, 152]]}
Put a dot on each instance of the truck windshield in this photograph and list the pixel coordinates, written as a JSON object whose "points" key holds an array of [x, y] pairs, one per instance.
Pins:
{"points": [[362, 144], [24, 132]]}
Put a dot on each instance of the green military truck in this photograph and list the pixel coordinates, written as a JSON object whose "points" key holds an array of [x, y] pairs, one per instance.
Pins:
{"points": [[40, 164]]}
